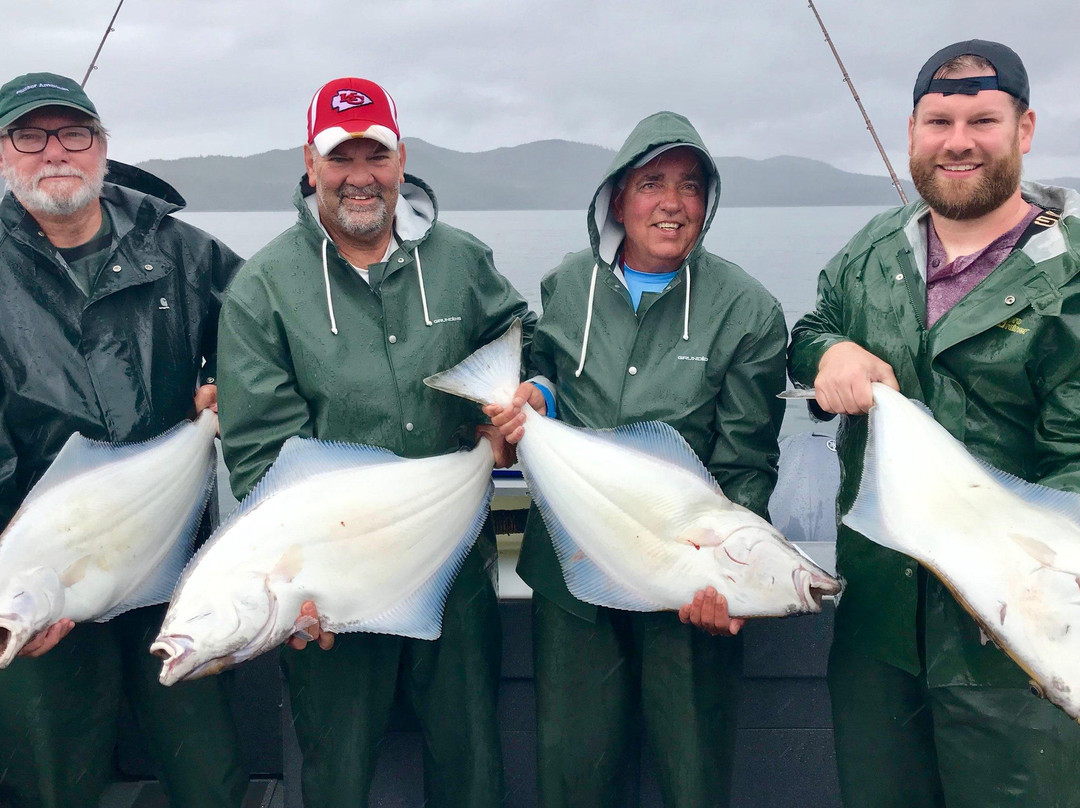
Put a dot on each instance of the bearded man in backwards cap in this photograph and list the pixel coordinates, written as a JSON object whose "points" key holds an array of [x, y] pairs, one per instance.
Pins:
{"points": [[330, 330], [108, 325], [968, 300]]}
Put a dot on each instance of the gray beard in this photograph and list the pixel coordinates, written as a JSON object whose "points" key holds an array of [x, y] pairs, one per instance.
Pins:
{"points": [[369, 227], [36, 200]]}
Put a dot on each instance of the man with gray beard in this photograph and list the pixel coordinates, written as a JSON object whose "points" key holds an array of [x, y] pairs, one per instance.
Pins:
{"points": [[108, 327], [328, 332], [967, 300]]}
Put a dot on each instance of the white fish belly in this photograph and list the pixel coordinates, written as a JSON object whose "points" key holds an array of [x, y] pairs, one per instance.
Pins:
{"points": [[356, 542], [105, 530], [1015, 565], [623, 508]]}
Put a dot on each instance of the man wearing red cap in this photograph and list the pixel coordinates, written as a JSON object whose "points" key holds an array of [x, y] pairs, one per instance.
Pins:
{"points": [[328, 332], [968, 300]]}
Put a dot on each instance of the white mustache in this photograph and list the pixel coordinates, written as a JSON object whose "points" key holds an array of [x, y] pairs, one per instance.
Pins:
{"points": [[58, 171]]}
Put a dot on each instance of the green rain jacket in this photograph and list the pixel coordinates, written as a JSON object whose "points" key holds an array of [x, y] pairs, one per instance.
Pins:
{"points": [[706, 355], [1000, 371], [317, 352]]}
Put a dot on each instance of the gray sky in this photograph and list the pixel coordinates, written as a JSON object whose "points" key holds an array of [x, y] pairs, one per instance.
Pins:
{"points": [[190, 77]]}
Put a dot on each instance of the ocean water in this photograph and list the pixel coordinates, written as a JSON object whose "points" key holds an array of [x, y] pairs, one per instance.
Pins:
{"points": [[784, 248]]}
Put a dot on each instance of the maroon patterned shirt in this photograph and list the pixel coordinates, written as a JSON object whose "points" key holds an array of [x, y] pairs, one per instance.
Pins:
{"points": [[947, 283]]}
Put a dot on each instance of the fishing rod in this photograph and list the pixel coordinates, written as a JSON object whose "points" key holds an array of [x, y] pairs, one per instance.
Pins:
{"points": [[97, 53], [862, 109]]}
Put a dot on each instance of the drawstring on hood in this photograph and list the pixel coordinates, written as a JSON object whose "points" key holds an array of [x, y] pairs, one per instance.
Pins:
{"points": [[652, 137], [414, 215], [588, 321], [420, 278], [326, 280]]}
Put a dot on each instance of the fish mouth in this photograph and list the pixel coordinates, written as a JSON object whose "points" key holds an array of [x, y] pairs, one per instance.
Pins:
{"points": [[13, 636], [813, 587], [5, 642], [173, 650]]}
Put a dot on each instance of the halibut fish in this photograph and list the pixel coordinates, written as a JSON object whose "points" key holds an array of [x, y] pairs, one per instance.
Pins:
{"points": [[108, 528], [375, 540], [1008, 550], [638, 523]]}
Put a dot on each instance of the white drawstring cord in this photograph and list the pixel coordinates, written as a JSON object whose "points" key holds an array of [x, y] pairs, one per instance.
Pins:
{"points": [[686, 313], [326, 280], [420, 277], [588, 322]]}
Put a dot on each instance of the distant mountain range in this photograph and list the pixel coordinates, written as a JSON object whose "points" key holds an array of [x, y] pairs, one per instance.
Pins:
{"points": [[545, 175]]}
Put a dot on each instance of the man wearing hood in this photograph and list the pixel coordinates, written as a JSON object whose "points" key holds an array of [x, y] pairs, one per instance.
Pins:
{"points": [[108, 325], [969, 301], [328, 332], [648, 325]]}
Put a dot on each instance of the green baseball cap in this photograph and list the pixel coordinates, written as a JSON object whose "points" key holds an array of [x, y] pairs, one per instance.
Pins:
{"points": [[32, 91]]}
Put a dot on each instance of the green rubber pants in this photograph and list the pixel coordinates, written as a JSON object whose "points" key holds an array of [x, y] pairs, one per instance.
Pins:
{"points": [[901, 744], [598, 685], [58, 721], [342, 698]]}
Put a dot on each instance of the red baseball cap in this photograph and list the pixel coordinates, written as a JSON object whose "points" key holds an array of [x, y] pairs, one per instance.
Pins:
{"points": [[350, 107]]}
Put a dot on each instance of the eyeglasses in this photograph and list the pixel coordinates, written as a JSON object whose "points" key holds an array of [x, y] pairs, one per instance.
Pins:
{"points": [[31, 139]]}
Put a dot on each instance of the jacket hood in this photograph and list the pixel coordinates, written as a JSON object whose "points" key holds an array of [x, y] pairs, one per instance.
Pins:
{"points": [[133, 196], [652, 136], [144, 182], [1042, 247], [414, 218], [414, 215]]}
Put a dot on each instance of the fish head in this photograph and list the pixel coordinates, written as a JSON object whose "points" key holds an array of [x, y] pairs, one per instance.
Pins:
{"points": [[31, 600], [205, 632], [767, 575]]}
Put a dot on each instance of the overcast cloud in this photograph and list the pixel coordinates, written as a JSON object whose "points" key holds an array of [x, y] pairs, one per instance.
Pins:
{"points": [[191, 77]]}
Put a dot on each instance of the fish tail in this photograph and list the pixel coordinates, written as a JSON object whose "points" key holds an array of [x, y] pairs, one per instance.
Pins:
{"points": [[488, 376]]}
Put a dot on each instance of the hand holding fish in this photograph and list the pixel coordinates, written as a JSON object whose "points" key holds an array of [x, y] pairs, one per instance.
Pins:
{"points": [[709, 612], [510, 421], [47, 639], [206, 398], [505, 452], [308, 630], [845, 373]]}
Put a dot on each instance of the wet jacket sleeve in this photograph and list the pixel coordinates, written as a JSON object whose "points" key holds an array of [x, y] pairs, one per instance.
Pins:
{"points": [[260, 406], [819, 330], [749, 415], [502, 303], [9, 495], [224, 263], [1057, 431], [541, 359]]}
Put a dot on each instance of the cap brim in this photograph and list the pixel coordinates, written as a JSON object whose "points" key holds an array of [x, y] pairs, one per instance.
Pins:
{"points": [[329, 139], [25, 109]]}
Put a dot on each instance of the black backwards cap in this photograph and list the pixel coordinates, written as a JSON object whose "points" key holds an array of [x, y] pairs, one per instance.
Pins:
{"points": [[1011, 76]]}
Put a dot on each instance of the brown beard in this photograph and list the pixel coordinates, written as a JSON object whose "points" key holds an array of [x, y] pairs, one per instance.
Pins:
{"points": [[958, 199]]}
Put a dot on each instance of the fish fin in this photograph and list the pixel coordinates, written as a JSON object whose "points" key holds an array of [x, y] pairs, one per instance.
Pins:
{"points": [[301, 458], [1065, 503], [1038, 550], [75, 571], [80, 454], [660, 441], [420, 614], [494, 367], [865, 515], [585, 580], [160, 584]]}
